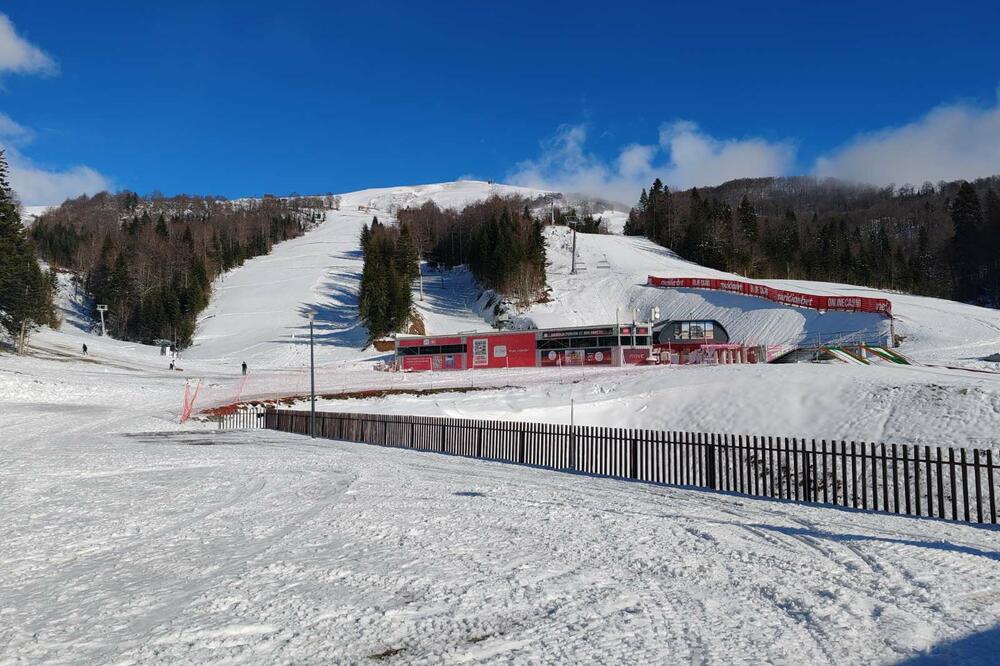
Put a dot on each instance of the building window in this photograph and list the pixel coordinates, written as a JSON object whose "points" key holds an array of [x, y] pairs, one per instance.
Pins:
{"points": [[694, 330]]}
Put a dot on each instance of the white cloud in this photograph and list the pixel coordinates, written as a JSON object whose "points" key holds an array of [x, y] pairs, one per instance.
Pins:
{"points": [[20, 56], [699, 159], [36, 186], [683, 157], [33, 184], [951, 142], [10, 129]]}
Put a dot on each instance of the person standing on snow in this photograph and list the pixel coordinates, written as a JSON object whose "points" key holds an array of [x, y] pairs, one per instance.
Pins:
{"points": [[84, 349], [244, 368]]}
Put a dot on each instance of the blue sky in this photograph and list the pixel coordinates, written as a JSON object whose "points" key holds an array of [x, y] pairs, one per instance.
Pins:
{"points": [[248, 98]]}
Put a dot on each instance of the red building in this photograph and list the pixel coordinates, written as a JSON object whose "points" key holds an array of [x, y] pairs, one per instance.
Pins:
{"points": [[609, 345]]}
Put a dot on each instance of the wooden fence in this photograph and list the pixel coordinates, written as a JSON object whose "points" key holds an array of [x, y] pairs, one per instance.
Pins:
{"points": [[939, 482], [244, 417]]}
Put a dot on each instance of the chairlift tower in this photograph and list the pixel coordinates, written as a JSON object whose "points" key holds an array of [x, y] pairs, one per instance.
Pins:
{"points": [[101, 309]]}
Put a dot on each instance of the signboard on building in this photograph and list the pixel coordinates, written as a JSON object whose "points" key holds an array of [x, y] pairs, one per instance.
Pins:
{"points": [[480, 352]]}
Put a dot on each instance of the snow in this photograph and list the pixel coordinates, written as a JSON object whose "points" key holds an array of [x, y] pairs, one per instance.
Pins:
{"points": [[128, 539], [31, 213], [131, 538]]}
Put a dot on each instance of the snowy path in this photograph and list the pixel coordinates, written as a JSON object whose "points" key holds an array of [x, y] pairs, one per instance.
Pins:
{"points": [[198, 547]]}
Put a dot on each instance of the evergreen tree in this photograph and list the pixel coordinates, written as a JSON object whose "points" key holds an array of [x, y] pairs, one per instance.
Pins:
{"points": [[366, 236], [747, 219], [991, 244], [967, 216], [374, 296], [161, 227], [26, 293], [407, 259]]}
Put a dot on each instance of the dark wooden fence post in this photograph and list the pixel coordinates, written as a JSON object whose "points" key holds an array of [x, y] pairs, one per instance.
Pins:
{"points": [[520, 445], [633, 453], [979, 492], [710, 459], [965, 487], [989, 482], [954, 489]]}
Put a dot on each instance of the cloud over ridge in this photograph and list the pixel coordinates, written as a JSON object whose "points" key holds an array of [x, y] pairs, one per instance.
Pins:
{"points": [[957, 141], [683, 156]]}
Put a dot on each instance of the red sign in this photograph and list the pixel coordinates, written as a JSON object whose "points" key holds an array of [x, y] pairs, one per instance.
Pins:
{"points": [[634, 356], [881, 306], [417, 363]]}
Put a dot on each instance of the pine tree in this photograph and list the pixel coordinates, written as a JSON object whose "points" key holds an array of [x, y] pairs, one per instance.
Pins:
{"points": [[26, 293], [407, 259], [161, 227], [747, 219], [991, 244], [373, 296], [967, 216], [119, 295], [366, 236]]}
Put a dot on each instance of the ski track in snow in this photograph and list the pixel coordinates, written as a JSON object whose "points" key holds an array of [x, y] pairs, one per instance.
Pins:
{"points": [[202, 546], [128, 538]]}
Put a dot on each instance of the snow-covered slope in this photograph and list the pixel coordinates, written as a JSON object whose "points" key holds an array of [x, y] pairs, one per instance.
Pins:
{"points": [[257, 312], [127, 539], [611, 282]]}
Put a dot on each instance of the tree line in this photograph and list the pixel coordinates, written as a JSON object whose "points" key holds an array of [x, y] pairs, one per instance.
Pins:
{"points": [[498, 239], [152, 259], [27, 292], [937, 240]]}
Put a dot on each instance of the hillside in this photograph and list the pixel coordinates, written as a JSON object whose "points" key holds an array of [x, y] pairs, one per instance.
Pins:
{"points": [[939, 240], [183, 543]]}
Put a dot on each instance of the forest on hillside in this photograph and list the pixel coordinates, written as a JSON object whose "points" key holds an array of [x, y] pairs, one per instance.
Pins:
{"points": [[498, 239], [937, 240], [152, 259]]}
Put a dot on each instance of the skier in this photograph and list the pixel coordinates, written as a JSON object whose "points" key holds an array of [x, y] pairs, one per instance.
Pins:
{"points": [[85, 349], [244, 368], [171, 364]]}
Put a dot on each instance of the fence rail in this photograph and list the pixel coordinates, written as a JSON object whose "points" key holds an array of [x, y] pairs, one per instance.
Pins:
{"points": [[932, 481]]}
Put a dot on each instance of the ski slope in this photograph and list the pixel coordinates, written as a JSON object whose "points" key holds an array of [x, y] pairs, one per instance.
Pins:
{"points": [[129, 538], [257, 312]]}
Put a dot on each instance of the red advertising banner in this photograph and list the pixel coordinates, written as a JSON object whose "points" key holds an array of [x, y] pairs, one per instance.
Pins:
{"points": [[634, 356], [836, 303], [560, 357]]}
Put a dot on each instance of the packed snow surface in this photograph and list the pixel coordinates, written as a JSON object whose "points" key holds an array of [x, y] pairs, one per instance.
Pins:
{"points": [[129, 538]]}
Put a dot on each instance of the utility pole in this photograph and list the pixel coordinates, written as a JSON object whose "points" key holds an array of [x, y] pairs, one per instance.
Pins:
{"points": [[573, 268], [101, 309], [312, 377], [635, 314]]}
